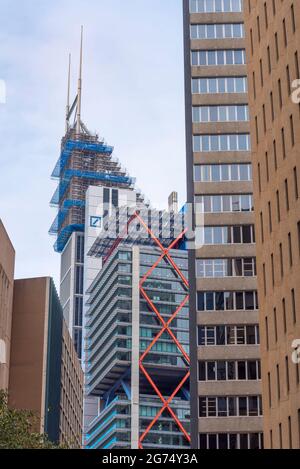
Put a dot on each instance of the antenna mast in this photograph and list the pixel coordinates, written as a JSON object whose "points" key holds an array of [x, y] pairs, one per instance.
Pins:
{"points": [[68, 96], [78, 125]]}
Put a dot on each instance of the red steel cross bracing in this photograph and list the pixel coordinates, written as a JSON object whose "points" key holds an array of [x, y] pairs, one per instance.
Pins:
{"points": [[165, 327]]}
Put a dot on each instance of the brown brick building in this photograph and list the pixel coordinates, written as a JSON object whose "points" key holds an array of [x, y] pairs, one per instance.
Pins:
{"points": [[45, 373], [273, 53], [7, 264], [226, 409]]}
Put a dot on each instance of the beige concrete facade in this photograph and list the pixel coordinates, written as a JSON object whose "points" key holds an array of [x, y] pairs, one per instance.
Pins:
{"points": [[210, 432], [7, 264], [273, 50]]}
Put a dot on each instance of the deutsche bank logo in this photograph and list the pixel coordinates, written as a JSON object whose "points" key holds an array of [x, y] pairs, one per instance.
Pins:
{"points": [[95, 222]]}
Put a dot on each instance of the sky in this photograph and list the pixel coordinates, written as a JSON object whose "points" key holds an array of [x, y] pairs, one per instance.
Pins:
{"points": [[133, 96]]}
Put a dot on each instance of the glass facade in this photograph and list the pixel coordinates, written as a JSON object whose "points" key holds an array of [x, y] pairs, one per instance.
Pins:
{"points": [[110, 348]]}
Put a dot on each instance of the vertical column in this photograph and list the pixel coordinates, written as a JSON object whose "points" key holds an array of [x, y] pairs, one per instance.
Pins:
{"points": [[135, 375]]}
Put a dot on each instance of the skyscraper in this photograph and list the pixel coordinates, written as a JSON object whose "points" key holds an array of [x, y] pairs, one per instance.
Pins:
{"points": [[137, 341], [226, 406], [273, 51], [85, 160]]}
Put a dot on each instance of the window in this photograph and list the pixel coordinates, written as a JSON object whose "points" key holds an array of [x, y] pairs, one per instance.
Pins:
{"points": [[287, 201], [227, 301], [287, 374], [78, 311], [278, 381], [223, 172], [229, 370], [296, 182], [79, 280], [80, 249], [222, 143], [278, 206], [216, 6], [218, 57], [225, 203], [290, 249], [218, 268], [231, 440], [221, 113], [244, 234], [219, 85], [298, 227], [292, 130], [294, 314], [249, 406], [228, 335], [217, 31]]}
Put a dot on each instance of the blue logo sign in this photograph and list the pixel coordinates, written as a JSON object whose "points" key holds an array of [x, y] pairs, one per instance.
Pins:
{"points": [[95, 222]]}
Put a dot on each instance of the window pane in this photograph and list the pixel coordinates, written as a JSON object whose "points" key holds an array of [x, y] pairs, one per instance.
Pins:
{"points": [[203, 85], [211, 371], [231, 370], [220, 301], [221, 371], [209, 301], [242, 406], [241, 370], [202, 376]]}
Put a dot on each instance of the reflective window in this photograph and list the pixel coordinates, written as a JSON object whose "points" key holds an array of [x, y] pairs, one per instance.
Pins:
{"points": [[224, 203], [218, 57], [244, 234], [223, 172], [227, 301], [217, 31], [214, 143], [229, 407], [229, 335], [231, 440], [216, 6], [231, 113]]}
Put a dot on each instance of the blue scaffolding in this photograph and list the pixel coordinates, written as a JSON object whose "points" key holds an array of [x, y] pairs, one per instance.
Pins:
{"points": [[71, 145]]}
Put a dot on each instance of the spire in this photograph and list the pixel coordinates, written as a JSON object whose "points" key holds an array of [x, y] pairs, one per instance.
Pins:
{"points": [[78, 125], [68, 95]]}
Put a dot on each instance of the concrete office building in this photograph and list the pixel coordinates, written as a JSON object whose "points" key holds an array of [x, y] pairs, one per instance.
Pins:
{"points": [[226, 409], [137, 346], [100, 203], [45, 373], [7, 265], [273, 51]]}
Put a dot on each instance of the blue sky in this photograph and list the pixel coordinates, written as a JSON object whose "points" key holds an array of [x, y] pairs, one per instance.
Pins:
{"points": [[133, 96]]}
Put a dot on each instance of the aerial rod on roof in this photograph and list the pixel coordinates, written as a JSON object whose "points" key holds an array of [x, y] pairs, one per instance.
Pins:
{"points": [[68, 96], [78, 124]]}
